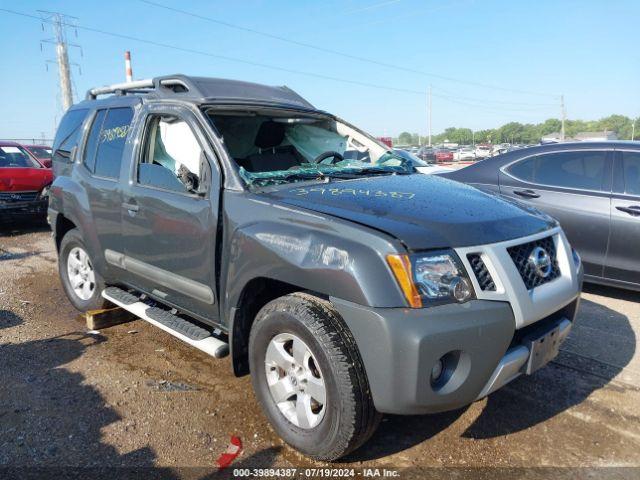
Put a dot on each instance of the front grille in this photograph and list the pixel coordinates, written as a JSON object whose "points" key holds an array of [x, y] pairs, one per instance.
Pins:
{"points": [[482, 274], [16, 197], [520, 255]]}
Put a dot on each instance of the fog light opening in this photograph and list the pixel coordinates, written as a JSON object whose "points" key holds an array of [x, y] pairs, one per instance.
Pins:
{"points": [[450, 371], [436, 371]]}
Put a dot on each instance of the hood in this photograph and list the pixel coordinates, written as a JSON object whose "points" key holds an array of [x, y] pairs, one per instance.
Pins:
{"points": [[423, 211], [24, 179]]}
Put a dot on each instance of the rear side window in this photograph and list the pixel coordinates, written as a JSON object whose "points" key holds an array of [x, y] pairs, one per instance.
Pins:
{"points": [[40, 152], [68, 134], [631, 169], [106, 141], [524, 169], [582, 170]]}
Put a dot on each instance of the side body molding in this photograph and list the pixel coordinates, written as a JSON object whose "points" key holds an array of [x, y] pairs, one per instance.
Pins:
{"points": [[162, 277]]}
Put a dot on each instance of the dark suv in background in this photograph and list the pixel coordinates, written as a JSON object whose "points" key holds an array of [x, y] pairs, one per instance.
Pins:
{"points": [[592, 189], [239, 217]]}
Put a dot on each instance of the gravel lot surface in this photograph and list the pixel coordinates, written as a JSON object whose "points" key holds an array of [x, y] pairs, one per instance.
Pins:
{"points": [[133, 396]]}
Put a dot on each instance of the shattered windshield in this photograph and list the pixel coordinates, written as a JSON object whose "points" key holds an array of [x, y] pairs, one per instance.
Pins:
{"points": [[272, 149]]}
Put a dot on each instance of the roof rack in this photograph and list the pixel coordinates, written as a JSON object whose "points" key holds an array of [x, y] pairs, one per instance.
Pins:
{"points": [[174, 83], [205, 90], [118, 87]]}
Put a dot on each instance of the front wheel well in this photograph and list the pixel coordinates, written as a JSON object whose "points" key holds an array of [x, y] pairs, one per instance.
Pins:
{"points": [[255, 295], [63, 225]]}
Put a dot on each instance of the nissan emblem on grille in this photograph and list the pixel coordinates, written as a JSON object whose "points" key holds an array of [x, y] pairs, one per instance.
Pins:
{"points": [[536, 261], [540, 260]]}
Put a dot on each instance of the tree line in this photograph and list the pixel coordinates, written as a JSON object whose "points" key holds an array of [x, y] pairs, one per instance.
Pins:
{"points": [[515, 132]]}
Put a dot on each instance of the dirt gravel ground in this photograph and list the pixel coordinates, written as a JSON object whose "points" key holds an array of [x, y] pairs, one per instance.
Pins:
{"points": [[135, 397]]}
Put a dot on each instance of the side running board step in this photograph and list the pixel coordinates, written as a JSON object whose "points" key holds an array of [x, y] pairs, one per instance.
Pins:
{"points": [[181, 328]]}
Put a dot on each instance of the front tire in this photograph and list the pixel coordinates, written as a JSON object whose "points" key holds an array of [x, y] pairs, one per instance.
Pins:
{"points": [[82, 284], [309, 378]]}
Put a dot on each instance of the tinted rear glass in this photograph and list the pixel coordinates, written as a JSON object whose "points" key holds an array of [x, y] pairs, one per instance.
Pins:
{"points": [[631, 167], [111, 142], [40, 152], [89, 156], [583, 170], [68, 134]]}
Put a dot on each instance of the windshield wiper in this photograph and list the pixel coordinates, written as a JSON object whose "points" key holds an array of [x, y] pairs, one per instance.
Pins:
{"points": [[371, 171], [286, 177]]}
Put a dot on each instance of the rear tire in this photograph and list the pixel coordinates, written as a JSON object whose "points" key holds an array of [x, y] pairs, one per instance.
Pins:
{"points": [[332, 366], [82, 284]]}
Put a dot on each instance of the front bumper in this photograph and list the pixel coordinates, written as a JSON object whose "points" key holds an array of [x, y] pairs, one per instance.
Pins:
{"points": [[478, 339], [18, 209]]}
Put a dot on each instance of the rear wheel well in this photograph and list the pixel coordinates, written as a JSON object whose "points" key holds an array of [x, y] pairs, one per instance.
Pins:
{"points": [[255, 295], [63, 225]]}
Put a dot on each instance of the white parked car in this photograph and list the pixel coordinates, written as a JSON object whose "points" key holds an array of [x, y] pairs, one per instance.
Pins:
{"points": [[464, 153], [483, 151]]}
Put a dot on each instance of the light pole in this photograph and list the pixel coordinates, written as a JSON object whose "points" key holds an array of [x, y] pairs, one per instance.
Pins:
{"points": [[633, 130]]}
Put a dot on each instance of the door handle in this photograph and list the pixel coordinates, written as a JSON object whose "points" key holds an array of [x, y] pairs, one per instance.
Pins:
{"points": [[131, 207], [527, 193], [633, 210]]}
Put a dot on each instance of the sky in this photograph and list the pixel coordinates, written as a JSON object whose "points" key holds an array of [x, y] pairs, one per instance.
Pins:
{"points": [[371, 62]]}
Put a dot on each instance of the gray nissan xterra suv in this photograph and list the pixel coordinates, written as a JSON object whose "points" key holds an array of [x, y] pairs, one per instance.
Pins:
{"points": [[239, 218]]}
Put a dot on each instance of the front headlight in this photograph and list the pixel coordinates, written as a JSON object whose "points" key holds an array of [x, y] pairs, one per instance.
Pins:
{"points": [[44, 193], [431, 279]]}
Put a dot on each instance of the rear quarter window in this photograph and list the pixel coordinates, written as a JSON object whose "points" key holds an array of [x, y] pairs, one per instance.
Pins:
{"points": [[523, 170], [581, 170], [631, 169], [68, 134], [91, 145]]}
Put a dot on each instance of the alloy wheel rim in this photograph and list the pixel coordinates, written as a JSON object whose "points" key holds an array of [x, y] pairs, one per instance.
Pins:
{"points": [[295, 381], [80, 272]]}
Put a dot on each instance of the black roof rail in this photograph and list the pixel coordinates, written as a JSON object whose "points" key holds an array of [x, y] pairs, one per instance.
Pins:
{"points": [[205, 89], [173, 83], [177, 83], [93, 93]]}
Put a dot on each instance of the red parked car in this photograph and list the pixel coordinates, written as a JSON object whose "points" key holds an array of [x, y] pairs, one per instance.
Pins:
{"points": [[24, 183], [444, 155], [41, 152]]}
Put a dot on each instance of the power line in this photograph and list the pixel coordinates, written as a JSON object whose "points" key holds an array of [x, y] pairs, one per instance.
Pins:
{"points": [[492, 109], [258, 64], [371, 7], [479, 103], [486, 100], [387, 19], [224, 57], [339, 53]]}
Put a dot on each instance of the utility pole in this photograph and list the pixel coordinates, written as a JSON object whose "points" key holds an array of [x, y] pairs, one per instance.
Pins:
{"points": [[563, 116], [429, 112], [59, 22], [633, 130]]}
